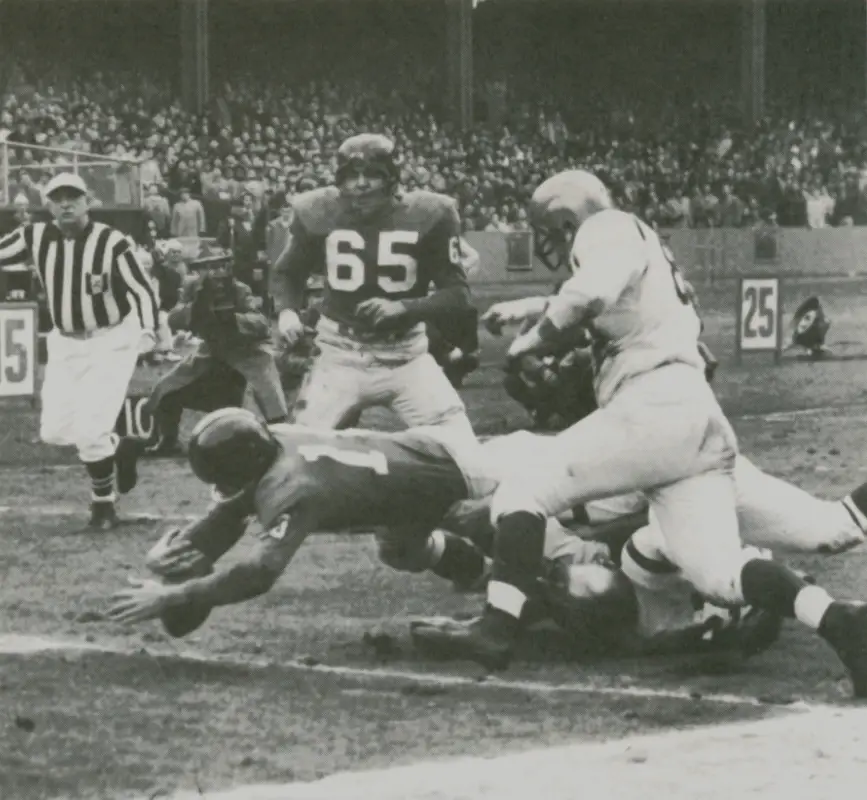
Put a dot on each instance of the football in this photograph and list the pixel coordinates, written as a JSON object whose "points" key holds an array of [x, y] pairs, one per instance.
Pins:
{"points": [[184, 619]]}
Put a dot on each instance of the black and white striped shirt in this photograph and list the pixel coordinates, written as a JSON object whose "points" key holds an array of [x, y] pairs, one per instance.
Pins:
{"points": [[92, 280]]}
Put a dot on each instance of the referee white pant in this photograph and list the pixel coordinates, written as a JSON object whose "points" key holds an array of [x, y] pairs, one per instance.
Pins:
{"points": [[86, 381]]}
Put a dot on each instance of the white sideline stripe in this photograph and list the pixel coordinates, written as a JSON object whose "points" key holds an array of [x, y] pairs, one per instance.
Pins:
{"points": [[26, 644], [780, 416], [61, 510], [816, 756]]}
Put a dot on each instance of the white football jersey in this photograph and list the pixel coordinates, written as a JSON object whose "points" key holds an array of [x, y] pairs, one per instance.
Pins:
{"points": [[644, 317]]}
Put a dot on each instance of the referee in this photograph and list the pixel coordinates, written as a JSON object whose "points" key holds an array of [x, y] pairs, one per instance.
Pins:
{"points": [[104, 313]]}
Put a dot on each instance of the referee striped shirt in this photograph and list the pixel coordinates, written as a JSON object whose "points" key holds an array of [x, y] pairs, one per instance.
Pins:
{"points": [[91, 280]]}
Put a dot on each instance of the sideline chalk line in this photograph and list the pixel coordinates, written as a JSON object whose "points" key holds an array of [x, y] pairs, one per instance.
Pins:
{"points": [[27, 644]]}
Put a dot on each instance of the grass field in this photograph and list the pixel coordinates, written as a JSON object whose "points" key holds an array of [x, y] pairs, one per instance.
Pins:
{"points": [[320, 676]]}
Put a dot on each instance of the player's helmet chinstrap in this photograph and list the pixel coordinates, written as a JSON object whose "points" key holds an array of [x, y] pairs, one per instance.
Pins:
{"points": [[371, 153], [231, 449]]}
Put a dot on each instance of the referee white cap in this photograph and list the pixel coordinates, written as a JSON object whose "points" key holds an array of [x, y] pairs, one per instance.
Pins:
{"points": [[65, 180]]}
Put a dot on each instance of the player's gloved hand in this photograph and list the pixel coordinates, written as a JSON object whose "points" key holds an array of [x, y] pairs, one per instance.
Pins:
{"points": [[379, 313], [290, 326]]}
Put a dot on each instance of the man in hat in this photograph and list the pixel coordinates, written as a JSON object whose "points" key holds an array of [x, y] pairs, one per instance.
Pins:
{"points": [[100, 303], [235, 351]]}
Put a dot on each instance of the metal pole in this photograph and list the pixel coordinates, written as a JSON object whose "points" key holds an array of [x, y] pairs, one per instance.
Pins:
{"points": [[6, 195]]}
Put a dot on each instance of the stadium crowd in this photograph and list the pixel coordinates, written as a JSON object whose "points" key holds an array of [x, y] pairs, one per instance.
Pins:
{"points": [[271, 131]]}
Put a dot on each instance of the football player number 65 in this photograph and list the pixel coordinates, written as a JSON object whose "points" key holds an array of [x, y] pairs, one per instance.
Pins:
{"points": [[395, 271]]}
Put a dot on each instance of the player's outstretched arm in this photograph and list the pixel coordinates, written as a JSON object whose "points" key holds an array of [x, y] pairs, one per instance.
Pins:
{"points": [[252, 575], [514, 312]]}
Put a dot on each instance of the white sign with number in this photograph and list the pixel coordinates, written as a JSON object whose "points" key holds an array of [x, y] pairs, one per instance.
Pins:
{"points": [[760, 314], [18, 349]]}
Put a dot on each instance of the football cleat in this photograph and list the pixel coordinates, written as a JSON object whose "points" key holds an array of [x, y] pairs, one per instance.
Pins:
{"points": [[488, 640], [103, 516], [231, 449]]}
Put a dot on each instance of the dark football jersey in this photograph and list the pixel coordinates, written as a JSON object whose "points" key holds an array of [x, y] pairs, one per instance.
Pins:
{"points": [[398, 253], [337, 480]]}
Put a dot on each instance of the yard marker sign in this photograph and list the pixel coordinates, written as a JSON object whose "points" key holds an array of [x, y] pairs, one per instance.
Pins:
{"points": [[759, 325], [18, 349]]}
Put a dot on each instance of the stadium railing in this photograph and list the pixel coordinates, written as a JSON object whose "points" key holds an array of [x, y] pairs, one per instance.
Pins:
{"points": [[113, 182]]}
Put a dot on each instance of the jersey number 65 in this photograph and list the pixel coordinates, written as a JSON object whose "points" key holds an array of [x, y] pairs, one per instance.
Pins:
{"points": [[396, 271]]}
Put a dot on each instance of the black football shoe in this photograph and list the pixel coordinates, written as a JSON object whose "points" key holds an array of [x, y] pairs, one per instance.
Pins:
{"points": [[103, 516], [844, 627], [488, 640]]}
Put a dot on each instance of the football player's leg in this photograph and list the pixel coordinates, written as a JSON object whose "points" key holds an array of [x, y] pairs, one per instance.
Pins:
{"points": [[775, 514], [416, 548], [710, 563], [672, 617], [422, 395], [260, 370], [331, 392]]}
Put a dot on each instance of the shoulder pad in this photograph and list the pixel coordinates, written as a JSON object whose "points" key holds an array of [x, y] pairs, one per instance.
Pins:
{"points": [[318, 208], [424, 209]]}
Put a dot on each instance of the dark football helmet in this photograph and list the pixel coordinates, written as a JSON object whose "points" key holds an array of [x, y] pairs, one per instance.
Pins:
{"points": [[810, 326], [231, 449], [367, 156]]}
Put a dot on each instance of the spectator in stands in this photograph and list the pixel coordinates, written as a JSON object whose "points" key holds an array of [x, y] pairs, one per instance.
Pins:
{"points": [[157, 209], [819, 205], [731, 208], [188, 216]]}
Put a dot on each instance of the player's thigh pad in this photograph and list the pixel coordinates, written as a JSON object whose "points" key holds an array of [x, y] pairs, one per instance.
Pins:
{"points": [[697, 518], [332, 390], [420, 393], [775, 514], [648, 436]]}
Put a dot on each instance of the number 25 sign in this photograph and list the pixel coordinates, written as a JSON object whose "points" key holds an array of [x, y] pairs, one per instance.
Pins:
{"points": [[759, 316]]}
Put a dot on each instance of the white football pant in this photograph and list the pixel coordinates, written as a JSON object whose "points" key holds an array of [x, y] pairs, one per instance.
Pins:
{"points": [[85, 384], [663, 433]]}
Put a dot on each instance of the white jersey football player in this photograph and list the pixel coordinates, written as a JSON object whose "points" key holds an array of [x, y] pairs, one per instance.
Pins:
{"points": [[659, 429]]}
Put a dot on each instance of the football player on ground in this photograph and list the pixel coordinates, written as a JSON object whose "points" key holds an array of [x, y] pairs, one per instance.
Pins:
{"points": [[296, 481], [614, 566], [380, 251], [658, 429]]}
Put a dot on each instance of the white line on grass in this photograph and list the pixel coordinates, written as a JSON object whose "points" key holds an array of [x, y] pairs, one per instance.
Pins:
{"points": [[24, 644]]}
